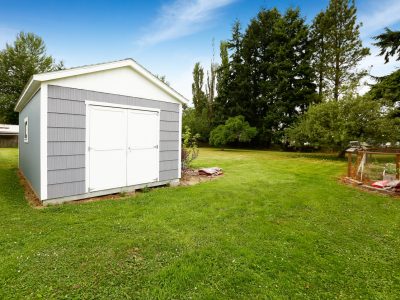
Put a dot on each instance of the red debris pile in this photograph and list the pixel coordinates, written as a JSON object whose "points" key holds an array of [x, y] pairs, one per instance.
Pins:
{"points": [[393, 185]]}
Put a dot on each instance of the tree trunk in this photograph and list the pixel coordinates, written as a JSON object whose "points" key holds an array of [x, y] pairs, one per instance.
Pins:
{"points": [[320, 84], [342, 153], [337, 78]]}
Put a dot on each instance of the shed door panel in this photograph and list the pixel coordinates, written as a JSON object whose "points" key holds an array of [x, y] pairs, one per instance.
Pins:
{"points": [[107, 147], [143, 144]]}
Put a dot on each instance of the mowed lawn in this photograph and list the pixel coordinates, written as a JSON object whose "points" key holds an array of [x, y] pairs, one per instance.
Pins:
{"points": [[277, 225]]}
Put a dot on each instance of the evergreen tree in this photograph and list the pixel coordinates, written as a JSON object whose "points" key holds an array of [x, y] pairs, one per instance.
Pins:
{"points": [[232, 88], [18, 62], [387, 91], [387, 88], [236, 92], [222, 84], [344, 47], [389, 42], [277, 55], [319, 34]]}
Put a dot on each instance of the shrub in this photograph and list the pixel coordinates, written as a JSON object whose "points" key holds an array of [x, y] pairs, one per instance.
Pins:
{"points": [[190, 149], [236, 129]]}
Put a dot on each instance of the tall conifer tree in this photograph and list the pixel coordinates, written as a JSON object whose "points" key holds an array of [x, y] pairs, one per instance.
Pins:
{"points": [[319, 35], [277, 55], [344, 47]]}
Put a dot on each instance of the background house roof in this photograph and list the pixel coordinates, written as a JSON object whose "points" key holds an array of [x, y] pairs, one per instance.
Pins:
{"points": [[6, 129]]}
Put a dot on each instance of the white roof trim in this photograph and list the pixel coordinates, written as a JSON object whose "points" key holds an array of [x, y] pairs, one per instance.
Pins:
{"points": [[37, 79]]}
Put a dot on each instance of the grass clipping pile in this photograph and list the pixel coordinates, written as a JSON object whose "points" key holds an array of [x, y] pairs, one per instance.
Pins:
{"points": [[195, 176]]}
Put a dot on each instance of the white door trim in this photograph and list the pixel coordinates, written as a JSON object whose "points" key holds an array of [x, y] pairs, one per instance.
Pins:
{"points": [[180, 143], [43, 141], [87, 135]]}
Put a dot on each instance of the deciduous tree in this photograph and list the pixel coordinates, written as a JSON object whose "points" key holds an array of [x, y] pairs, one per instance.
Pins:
{"points": [[18, 62], [334, 124], [199, 97]]}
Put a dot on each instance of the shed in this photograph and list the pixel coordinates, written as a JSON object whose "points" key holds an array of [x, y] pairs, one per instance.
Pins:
{"points": [[8, 136], [97, 130]]}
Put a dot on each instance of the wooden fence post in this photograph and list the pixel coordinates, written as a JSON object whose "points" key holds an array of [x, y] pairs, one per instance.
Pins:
{"points": [[349, 160]]}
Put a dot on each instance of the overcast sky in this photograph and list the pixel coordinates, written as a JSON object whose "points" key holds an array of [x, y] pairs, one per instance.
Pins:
{"points": [[167, 37]]}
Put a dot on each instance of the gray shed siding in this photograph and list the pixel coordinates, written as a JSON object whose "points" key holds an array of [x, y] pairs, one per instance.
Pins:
{"points": [[66, 137], [29, 153]]}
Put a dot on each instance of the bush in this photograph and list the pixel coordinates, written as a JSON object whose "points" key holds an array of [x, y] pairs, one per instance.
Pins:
{"points": [[190, 149], [236, 129], [198, 123]]}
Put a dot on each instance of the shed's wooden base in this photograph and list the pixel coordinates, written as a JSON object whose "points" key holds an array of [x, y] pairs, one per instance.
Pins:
{"points": [[126, 189]]}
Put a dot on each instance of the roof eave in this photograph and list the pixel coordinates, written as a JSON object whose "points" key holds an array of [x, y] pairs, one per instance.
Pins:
{"points": [[30, 88]]}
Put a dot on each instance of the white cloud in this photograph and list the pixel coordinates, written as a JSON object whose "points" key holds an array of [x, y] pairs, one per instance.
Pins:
{"points": [[380, 14], [182, 18], [377, 16]]}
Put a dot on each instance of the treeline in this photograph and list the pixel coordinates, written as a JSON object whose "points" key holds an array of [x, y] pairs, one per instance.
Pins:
{"points": [[275, 69]]}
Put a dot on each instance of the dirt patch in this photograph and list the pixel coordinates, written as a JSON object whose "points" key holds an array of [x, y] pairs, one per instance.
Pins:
{"points": [[30, 195], [34, 201], [189, 177], [116, 196], [192, 177], [134, 253]]}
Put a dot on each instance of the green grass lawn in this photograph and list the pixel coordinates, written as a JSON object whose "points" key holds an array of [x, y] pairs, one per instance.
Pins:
{"points": [[277, 225]]}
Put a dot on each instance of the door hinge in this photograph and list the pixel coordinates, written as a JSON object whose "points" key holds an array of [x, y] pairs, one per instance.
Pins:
{"points": [[156, 146]]}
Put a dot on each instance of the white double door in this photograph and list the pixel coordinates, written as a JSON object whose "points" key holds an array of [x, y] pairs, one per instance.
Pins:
{"points": [[123, 147]]}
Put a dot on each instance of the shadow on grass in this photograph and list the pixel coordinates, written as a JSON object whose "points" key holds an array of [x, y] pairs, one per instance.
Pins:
{"points": [[320, 156], [310, 155]]}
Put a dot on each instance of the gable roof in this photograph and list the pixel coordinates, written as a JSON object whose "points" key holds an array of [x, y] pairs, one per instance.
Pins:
{"points": [[35, 81]]}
